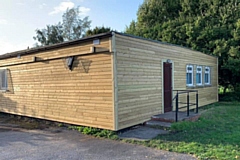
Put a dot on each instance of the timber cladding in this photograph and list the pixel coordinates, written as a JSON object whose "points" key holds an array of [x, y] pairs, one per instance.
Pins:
{"points": [[48, 89], [112, 85], [140, 78]]}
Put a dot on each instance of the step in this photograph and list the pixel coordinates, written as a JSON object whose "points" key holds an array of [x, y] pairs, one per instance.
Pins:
{"points": [[170, 117], [158, 124], [162, 119]]}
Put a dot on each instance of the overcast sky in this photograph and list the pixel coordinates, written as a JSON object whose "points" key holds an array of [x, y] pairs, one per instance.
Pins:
{"points": [[20, 18]]}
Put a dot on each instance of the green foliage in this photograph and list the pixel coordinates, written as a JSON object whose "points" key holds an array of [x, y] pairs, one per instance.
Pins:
{"points": [[231, 94], [214, 136], [72, 27], [98, 30], [95, 132], [209, 26], [50, 35]]}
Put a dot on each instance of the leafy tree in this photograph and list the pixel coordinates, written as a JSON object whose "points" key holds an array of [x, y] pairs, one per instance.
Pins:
{"points": [[98, 30], [209, 26], [72, 27], [50, 35]]}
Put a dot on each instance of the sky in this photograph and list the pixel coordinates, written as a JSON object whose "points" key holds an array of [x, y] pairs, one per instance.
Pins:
{"points": [[20, 18]]}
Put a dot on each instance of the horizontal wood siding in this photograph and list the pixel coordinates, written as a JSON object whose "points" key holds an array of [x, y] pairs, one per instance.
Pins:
{"points": [[139, 82], [139, 71], [49, 90]]}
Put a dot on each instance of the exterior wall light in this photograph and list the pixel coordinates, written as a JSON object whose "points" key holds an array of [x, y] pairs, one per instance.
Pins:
{"points": [[69, 62]]}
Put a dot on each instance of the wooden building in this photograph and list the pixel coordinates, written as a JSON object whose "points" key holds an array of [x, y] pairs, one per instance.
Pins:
{"points": [[109, 81]]}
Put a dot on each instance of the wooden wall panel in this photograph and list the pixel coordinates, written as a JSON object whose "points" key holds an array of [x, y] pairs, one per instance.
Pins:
{"points": [[139, 71], [49, 90], [72, 50]]}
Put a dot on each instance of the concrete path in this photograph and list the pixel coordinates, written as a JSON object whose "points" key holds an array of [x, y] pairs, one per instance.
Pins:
{"points": [[62, 144], [142, 133]]}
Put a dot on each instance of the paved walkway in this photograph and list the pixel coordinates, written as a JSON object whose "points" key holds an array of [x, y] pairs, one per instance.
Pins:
{"points": [[61, 144], [142, 133]]}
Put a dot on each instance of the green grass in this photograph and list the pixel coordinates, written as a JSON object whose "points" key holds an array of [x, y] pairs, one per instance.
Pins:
{"points": [[95, 132], [216, 135]]}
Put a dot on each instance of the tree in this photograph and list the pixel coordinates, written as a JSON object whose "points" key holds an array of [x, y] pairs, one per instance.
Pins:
{"points": [[98, 30], [72, 27], [50, 35], [209, 26]]}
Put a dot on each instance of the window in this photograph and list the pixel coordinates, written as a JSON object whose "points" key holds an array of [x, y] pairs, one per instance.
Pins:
{"points": [[207, 75], [189, 75], [199, 75], [3, 79]]}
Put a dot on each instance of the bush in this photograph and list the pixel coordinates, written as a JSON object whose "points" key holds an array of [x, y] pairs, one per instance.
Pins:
{"points": [[230, 96]]}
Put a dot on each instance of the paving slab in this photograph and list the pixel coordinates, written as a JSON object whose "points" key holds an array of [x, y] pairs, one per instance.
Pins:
{"points": [[142, 133]]}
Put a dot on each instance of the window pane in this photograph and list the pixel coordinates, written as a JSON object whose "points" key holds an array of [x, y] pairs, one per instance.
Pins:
{"points": [[189, 75], [206, 78], [198, 78], [3, 79], [189, 78]]}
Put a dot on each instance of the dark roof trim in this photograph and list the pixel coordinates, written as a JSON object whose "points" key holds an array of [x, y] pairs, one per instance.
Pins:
{"points": [[50, 47]]}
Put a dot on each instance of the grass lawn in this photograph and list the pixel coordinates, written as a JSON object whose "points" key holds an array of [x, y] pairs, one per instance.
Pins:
{"points": [[216, 135]]}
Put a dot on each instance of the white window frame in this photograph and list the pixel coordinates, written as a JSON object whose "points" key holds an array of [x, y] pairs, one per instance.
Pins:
{"points": [[189, 71], [3, 80], [201, 75], [209, 75]]}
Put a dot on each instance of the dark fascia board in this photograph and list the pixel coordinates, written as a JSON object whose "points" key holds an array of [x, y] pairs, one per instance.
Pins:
{"points": [[54, 46]]}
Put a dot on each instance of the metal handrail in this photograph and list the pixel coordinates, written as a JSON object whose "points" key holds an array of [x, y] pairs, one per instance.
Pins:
{"points": [[188, 104]]}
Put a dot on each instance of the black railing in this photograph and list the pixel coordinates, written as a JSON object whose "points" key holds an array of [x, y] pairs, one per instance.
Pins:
{"points": [[188, 104]]}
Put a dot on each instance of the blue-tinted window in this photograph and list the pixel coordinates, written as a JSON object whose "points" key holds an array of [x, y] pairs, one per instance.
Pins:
{"points": [[189, 75], [199, 75], [207, 75]]}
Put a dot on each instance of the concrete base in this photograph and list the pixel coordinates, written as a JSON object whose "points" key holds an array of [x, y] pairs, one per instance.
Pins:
{"points": [[142, 133]]}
